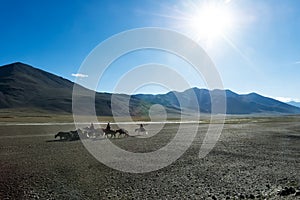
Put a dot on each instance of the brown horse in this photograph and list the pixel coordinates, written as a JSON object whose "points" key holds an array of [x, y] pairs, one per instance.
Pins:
{"points": [[110, 132], [122, 131], [75, 134], [71, 135], [63, 135]]}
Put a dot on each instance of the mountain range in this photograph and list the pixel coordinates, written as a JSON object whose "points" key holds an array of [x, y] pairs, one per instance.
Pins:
{"points": [[294, 103], [23, 86]]}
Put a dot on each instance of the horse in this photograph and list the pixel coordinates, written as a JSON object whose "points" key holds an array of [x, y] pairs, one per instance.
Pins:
{"points": [[122, 131], [98, 132], [75, 134], [109, 132], [63, 135], [91, 133]]}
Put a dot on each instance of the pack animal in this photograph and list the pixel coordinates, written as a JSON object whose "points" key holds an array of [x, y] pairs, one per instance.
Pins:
{"points": [[63, 135]]}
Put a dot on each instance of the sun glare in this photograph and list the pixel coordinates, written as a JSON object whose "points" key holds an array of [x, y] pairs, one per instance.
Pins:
{"points": [[206, 21], [210, 21]]}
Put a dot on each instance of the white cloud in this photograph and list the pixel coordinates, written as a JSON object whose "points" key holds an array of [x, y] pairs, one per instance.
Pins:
{"points": [[286, 99], [80, 75]]}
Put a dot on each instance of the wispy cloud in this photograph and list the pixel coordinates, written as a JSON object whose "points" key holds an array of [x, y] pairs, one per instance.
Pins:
{"points": [[295, 63], [80, 75]]}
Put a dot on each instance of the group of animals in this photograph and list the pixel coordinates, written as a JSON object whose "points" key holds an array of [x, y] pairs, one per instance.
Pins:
{"points": [[70, 135], [91, 132]]}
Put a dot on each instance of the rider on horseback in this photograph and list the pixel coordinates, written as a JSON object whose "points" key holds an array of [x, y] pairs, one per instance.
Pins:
{"points": [[92, 128], [108, 126]]}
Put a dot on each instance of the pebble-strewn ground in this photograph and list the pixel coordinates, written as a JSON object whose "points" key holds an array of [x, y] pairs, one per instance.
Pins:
{"points": [[258, 160]]}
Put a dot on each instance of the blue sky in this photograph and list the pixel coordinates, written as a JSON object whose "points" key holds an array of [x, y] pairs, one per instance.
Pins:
{"points": [[259, 52]]}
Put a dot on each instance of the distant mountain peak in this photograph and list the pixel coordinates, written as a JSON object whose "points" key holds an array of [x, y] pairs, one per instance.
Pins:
{"points": [[294, 103], [23, 86], [20, 63], [17, 65]]}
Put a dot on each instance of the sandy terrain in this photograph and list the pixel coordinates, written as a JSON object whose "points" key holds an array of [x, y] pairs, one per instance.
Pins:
{"points": [[252, 159]]}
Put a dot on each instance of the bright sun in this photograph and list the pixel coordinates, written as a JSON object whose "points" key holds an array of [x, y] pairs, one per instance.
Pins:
{"points": [[210, 21]]}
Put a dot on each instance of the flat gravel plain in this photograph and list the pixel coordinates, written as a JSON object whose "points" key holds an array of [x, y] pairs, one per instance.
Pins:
{"points": [[253, 159]]}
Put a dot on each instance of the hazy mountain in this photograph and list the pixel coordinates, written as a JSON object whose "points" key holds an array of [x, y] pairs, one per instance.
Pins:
{"points": [[294, 103], [236, 104], [23, 86]]}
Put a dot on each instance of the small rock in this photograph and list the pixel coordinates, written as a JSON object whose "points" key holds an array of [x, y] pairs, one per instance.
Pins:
{"points": [[297, 193], [287, 191]]}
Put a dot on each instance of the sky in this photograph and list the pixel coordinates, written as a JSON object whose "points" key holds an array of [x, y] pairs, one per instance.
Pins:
{"points": [[254, 44]]}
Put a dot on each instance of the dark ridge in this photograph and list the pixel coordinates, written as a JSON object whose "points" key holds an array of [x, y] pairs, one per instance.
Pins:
{"points": [[23, 86]]}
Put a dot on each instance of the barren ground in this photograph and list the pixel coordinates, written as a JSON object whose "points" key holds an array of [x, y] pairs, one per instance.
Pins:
{"points": [[254, 158]]}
